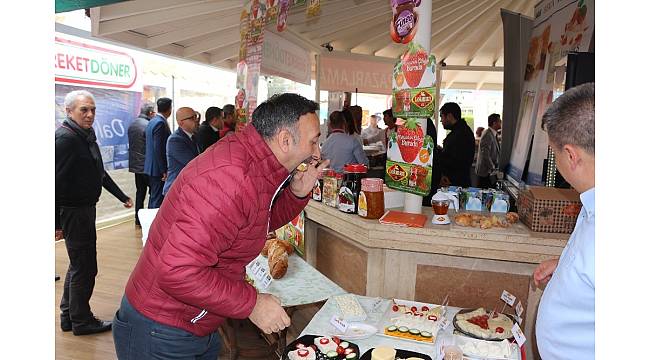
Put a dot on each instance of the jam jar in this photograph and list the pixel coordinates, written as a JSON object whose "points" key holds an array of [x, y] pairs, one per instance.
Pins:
{"points": [[350, 188], [371, 198]]}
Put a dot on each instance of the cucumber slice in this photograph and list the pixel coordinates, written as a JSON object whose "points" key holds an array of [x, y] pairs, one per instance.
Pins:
{"points": [[426, 334], [351, 356], [391, 328], [403, 329], [332, 354], [344, 344], [414, 332]]}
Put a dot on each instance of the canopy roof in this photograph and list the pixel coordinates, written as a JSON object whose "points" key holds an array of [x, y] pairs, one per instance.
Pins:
{"points": [[466, 34]]}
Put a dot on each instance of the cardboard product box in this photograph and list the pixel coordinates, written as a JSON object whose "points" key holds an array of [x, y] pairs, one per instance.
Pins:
{"points": [[546, 209]]}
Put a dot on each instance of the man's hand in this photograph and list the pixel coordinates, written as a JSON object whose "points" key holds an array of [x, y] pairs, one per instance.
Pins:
{"points": [[544, 271], [268, 315], [303, 181], [128, 203], [58, 234], [444, 181], [164, 176]]}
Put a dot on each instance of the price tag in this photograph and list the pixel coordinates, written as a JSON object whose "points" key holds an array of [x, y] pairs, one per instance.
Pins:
{"points": [[261, 272], [339, 323], [443, 323], [508, 298], [519, 309], [518, 318], [256, 266], [519, 335], [266, 281]]}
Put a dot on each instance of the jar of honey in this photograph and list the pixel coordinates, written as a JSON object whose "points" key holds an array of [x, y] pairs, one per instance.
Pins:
{"points": [[371, 198]]}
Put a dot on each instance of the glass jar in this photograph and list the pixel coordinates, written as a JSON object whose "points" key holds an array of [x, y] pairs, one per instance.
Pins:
{"points": [[330, 188], [350, 188], [371, 198], [317, 191]]}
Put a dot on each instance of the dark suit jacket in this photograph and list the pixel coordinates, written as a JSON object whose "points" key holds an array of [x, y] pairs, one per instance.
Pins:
{"points": [[180, 151], [458, 154], [156, 134], [206, 136], [137, 144]]}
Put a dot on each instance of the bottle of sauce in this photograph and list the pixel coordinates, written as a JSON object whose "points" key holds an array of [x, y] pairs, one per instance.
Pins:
{"points": [[317, 191], [350, 188], [330, 187], [371, 198]]}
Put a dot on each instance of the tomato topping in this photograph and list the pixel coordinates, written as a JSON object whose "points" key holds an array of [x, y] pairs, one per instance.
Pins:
{"points": [[340, 350], [425, 308], [499, 330], [395, 308], [324, 341], [435, 318], [336, 339], [414, 309], [303, 352]]}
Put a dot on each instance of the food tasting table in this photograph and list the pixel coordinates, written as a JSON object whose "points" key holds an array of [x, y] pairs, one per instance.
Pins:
{"points": [[472, 265], [301, 285], [320, 325]]}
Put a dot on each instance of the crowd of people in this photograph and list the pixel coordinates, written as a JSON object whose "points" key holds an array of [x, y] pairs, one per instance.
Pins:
{"points": [[215, 213]]}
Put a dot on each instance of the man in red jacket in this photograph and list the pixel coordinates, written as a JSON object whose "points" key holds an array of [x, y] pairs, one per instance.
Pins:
{"points": [[213, 222]]}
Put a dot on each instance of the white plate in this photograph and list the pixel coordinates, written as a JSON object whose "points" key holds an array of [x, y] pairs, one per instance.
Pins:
{"points": [[357, 331]]}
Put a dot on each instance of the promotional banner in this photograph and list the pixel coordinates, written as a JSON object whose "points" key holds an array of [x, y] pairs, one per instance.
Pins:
{"points": [[116, 109], [367, 76], [283, 6], [83, 62], [560, 26], [409, 163], [404, 24], [413, 80], [283, 58]]}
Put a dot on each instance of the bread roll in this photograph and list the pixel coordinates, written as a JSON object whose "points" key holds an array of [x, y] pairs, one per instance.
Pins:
{"points": [[276, 249], [287, 246], [267, 245], [278, 262]]}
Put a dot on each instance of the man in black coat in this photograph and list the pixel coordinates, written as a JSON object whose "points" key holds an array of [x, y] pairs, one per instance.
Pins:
{"points": [[137, 148], [208, 132], [457, 149], [79, 178]]}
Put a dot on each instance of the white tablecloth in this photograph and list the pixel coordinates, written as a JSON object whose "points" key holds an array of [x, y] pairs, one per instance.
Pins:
{"points": [[320, 325]]}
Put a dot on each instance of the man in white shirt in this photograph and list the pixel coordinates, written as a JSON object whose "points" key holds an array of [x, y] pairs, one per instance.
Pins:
{"points": [[566, 314]]}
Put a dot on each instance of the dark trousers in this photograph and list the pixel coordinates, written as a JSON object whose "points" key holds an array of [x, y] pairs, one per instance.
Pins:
{"points": [[141, 185], [155, 191], [485, 182], [81, 243], [137, 337]]}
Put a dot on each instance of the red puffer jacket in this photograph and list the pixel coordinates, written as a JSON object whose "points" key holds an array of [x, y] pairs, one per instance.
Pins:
{"points": [[213, 222]]}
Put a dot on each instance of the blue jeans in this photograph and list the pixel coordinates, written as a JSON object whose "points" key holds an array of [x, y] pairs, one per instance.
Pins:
{"points": [[140, 338]]}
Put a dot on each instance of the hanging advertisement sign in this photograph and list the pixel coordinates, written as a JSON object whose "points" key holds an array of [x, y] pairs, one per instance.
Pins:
{"points": [[413, 80], [409, 163], [404, 23], [560, 26], [283, 6], [341, 74], [314, 8], [82, 62], [271, 11], [283, 58]]}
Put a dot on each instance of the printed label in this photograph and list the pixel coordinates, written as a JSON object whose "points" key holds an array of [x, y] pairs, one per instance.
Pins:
{"points": [[519, 335], [339, 323], [266, 281], [508, 298], [519, 309], [316, 193], [363, 205], [346, 200]]}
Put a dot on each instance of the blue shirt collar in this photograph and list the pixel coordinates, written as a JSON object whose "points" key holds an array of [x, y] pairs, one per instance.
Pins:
{"points": [[588, 199]]}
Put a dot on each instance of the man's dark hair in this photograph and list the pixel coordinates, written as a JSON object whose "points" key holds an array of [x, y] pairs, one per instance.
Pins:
{"points": [[571, 118], [281, 111], [228, 109], [212, 112], [337, 120], [146, 108], [451, 108], [388, 112], [349, 121], [164, 104], [493, 118]]}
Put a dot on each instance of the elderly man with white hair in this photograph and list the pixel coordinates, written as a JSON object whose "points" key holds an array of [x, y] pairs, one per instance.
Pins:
{"points": [[79, 179]]}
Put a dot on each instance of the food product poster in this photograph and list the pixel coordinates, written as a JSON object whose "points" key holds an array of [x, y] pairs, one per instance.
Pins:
{"points": [[404, 21], [560, 26], [283, 9], [272, 8], [314, 8], [409, 161], [116, 110], [413, 83], [294, 233]]}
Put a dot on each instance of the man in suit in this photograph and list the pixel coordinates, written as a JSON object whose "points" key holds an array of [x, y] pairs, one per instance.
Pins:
{"points": [[182, 145], [137, 150], [488, 153], [79, 178], [155, 162], [457, 149], [208, 133]]}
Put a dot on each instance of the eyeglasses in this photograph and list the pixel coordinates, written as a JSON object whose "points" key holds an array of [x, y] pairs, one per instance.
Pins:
{"points": [[193, 117]]}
